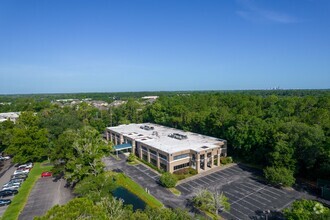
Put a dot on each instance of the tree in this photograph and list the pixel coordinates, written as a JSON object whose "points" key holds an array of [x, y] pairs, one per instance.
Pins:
{"points": [[279, 176], [95, 187], [29, 142], [307, 209], [168, 180], [78, 208], [89, 148], [211, 201]]}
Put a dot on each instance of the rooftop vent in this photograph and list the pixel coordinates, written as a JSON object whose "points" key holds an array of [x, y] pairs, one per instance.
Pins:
{"points": [[204, 147], [178, 136], [146, 127]]}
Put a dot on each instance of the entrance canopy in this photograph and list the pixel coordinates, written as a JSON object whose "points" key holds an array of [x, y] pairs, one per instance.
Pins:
{"points": [[122, 147]]}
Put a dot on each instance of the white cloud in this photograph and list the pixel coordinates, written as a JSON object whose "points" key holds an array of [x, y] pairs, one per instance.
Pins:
{"points": [[250, 11]]}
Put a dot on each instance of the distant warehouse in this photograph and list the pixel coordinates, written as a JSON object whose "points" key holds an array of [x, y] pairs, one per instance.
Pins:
{"points": [[167, 148]]}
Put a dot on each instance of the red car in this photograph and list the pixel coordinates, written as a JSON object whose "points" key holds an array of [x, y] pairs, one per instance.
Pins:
{"points": [[46, 174]]}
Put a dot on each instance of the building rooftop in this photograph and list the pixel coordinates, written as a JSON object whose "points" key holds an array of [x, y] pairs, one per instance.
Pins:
{"points": [[168, 139]]}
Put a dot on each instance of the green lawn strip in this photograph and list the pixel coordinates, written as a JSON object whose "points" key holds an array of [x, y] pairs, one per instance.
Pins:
{"points": [[175, 191], [124, 181], [19, 200]]}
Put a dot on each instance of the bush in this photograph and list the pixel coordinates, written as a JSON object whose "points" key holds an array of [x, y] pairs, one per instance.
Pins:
{"points": [[131, 157], [279, 176], [226, 160], [168, 180], [306, 209]]}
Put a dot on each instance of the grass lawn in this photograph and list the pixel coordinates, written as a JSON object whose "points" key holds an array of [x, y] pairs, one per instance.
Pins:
{"points": [[19, 201], [175, 191], [126, 182]]}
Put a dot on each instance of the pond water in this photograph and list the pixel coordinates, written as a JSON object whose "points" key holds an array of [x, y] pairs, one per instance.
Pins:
{"points": [[129, 198]]}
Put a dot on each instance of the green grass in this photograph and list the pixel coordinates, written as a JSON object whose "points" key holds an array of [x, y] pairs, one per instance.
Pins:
{"points": [[175, 191], [124, 181], [19, 201]]}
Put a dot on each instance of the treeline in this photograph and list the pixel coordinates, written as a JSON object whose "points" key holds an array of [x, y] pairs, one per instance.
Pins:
{"points": [[288, 132]]}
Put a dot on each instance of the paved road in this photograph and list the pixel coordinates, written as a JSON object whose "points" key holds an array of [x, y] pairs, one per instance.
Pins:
{"points": [[45, 194], [7, 169]]}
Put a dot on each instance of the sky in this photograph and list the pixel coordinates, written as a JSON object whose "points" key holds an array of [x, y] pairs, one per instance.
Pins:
{"points": [[64, 46]]}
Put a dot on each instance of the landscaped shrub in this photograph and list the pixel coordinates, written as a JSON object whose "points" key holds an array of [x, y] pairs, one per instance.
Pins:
{"points": [[168, 180], [185, 173], [226, 160], [131, 157], [279, 176]]}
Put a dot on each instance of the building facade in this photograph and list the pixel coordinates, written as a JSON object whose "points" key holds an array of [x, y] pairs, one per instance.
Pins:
{"points": [[169, 149]]}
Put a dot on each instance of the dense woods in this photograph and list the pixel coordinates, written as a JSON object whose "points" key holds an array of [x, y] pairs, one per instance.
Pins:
{"points": [[269, 131]]}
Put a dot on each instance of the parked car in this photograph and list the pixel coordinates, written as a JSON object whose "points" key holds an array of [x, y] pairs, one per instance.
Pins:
{"points": [[46, 174], [21, 171], [12, 184], [20, 176], [27, 165], [16, 180], [24, 168], [11, 187], [8, 192], [4, 202]]}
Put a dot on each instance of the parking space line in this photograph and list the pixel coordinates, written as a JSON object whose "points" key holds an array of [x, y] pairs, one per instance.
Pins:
{"points": [[250, 204], [277, 195], [201, 181], [219, 175], [259, 196], [239, 212], [212, 178], [244, 207], [254, 200], [232, 214], [248, 195], [191, 186]]}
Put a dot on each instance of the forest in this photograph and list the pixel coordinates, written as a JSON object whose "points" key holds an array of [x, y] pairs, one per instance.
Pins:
{"points": [[268, 129]]}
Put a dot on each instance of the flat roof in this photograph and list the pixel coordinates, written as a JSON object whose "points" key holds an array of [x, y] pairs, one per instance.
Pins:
{"points": [[158, 137]]}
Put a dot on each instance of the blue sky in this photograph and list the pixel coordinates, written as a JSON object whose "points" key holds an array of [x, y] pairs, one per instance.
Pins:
{"points": [[49, 46]]}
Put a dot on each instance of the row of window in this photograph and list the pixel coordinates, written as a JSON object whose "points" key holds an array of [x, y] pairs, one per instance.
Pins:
{"points": [[181, 166], [180, 156]]}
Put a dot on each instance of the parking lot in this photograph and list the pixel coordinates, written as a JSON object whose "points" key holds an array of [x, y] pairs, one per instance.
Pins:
{"points": [[7, 169], [248, 196], [45, 194]]}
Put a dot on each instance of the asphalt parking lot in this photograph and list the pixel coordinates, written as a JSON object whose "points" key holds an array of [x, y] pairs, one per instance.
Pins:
{"points": [[45, 194], [248, 196], [7, 169]]}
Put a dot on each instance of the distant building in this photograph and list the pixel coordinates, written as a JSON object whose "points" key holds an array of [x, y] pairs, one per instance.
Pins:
{"points": [[12, 116], [117, 103], [167, 148], [150, 99]]}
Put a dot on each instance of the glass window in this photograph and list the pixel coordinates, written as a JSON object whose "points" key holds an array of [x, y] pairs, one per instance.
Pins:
{"points": [[180, 156], [181, 166], [153, 152], [163, 156]]}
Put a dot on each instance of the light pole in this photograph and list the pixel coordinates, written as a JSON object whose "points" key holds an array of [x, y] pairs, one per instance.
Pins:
{"points": [[267, 212]]}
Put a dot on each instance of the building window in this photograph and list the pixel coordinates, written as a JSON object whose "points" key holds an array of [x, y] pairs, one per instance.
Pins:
{"points": [[145, 157], [163, 156], [180, 156], [153, 152], [153, 161], [181, 166], [144, 148], [163, 166]]}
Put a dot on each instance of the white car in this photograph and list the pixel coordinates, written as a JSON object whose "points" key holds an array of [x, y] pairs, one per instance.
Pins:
{"points": [[21, 171], [12, 184], [27, 165], [10, 187]]}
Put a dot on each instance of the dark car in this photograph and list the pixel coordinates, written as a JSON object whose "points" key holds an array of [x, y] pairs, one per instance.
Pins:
{"points": [[4, 202], [7, 192]]}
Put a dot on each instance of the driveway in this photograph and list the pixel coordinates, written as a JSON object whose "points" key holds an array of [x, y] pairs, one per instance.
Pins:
{"points": [[45, 194]]}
